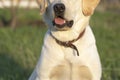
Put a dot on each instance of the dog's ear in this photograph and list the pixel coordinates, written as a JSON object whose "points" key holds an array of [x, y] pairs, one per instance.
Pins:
{"points": [[42, 4], [88, 6]]}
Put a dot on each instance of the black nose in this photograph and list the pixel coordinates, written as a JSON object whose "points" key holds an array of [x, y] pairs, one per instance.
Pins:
{"points": [[59, 9]]}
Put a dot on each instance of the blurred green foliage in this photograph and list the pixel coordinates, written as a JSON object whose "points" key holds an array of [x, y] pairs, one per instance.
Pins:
{"points": [[23, 16], [20, 48], [106, 28], [19, 51]]}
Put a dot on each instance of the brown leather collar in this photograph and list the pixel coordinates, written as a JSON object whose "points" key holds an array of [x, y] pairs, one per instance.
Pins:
{"points": [[70, 43]]}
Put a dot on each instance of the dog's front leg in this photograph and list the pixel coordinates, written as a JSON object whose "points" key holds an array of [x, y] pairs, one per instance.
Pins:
{"points": [[51, 56]]}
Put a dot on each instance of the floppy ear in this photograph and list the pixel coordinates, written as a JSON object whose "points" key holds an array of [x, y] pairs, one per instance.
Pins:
{"points": [[43, 4], [88, 6]]}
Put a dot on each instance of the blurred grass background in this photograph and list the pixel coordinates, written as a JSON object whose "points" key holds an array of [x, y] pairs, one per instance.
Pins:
{"points": [[20, 47]]}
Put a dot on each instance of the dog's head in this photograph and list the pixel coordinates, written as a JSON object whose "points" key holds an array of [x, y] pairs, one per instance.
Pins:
{"points": [[67, 15]]}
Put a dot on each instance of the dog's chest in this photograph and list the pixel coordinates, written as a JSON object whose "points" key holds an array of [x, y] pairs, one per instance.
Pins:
{"points": [[71, 55]]}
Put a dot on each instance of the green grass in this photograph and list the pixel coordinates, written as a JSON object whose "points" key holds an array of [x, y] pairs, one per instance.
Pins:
{"points": [[20, 48], [19, 51], [106, 29]]}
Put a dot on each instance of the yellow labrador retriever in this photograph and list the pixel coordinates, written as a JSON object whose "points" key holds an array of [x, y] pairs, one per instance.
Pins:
{"points": [[69, 51]]}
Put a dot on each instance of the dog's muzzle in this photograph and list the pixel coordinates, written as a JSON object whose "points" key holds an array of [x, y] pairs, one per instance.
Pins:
{"points": [[59, 20]]}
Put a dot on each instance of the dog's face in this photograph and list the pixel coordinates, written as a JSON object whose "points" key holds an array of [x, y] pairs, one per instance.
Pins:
{"points": [[65, 15]]}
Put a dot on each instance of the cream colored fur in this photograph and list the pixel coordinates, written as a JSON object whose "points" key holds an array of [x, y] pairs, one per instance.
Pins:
{"points": [[60, 63]]}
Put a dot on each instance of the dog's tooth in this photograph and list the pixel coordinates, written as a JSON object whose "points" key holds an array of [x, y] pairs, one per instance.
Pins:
{"points": [[64, 21]]}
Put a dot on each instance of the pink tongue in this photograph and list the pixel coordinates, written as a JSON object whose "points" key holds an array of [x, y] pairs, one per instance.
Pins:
{"points": [[59, 21]]}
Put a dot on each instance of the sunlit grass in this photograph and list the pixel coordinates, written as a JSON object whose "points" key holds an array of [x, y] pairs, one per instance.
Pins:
{"points": [[20, 48]]}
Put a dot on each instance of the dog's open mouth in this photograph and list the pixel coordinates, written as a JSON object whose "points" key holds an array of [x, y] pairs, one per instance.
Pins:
{"points": [[60, 22]]}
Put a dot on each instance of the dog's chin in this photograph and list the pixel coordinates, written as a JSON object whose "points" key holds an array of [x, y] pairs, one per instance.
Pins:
{"points": [[61, 29], [62, 24]]}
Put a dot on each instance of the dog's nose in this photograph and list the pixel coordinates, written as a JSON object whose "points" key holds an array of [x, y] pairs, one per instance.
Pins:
{"points": [[59, 8]]}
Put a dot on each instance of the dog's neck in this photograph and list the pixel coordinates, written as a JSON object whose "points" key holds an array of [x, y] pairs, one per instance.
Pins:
{"points": [[70, 43]]}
